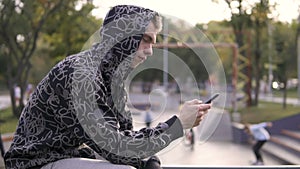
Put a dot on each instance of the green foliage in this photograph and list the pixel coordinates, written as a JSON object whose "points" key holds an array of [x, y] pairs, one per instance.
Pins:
{"points": [[68, 30], [20, 25], [285, 51], [217, 33], [63, 34], [63, 27]]}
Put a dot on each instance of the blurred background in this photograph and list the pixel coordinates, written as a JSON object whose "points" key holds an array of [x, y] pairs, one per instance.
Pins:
{"points": [[257, 41]]}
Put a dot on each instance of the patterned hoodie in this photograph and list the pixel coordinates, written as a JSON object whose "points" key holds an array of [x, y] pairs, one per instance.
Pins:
{"points": [[79, 108]]}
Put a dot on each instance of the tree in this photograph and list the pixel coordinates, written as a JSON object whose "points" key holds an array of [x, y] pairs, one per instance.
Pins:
{"points": [[67, 30], [221, 32], [245, 17], [260, 19], [285, 54], [21, 24], [65, 33], [240, 22]]}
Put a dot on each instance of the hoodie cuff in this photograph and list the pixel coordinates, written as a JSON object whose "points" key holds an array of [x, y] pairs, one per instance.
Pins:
{"points": [[174, 127]]}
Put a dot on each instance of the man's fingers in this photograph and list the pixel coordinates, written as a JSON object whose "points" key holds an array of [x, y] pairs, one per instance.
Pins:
{"points": [[194, 101], [199, 108], [197, 122], [204, 107]]}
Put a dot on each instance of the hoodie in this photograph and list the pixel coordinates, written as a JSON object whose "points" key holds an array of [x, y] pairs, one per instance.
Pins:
{"points": [[79, 107]]}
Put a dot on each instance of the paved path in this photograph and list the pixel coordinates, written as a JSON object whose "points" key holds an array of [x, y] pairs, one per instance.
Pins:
{"points": [[212, 153], [218, 149], [4, 101], [293, 101]]}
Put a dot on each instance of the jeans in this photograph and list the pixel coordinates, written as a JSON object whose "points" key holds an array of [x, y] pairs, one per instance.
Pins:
{"points": [[256, 150], [83, 163]]}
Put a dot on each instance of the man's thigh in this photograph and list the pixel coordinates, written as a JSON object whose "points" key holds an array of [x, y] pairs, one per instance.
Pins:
{"points": [[83, 163]]}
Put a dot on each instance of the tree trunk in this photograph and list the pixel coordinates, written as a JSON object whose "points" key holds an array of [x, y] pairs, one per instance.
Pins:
{"points": [[284, 90], [257, 85], [16, 109], [257, 61]]}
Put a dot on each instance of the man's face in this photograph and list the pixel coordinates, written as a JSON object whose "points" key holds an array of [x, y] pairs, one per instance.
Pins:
{"points": [[145, 48]]}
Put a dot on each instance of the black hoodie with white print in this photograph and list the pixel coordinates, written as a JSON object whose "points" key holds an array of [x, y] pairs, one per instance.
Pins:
{"points": [[79, 108]]}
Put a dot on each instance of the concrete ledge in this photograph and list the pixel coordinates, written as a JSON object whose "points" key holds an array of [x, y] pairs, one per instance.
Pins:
{"points": [[292, 134], [229, 167]]}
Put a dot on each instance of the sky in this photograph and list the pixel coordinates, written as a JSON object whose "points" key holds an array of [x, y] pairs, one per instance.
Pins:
{"points": [[196, 11]]}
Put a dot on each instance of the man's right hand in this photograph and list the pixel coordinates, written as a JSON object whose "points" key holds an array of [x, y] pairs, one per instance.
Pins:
{"points": [[192, 113]]}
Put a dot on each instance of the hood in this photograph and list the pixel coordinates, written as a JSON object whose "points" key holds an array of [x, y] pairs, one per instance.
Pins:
{"points": [[120, 34]]}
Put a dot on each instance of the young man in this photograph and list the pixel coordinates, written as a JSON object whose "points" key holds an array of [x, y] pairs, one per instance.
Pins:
{"points": [[261, 136], [79, 110]]}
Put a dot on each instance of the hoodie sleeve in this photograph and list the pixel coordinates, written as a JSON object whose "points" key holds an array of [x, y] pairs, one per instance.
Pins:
{"points": [[131, 147], [128, 146]]}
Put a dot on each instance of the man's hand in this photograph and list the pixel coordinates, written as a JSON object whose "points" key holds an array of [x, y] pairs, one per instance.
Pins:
{"points": [[192, 113]]}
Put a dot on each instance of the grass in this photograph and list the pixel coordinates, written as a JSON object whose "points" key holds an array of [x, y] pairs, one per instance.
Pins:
{"points": [[8, 122], [292, 93], [267, 111]]}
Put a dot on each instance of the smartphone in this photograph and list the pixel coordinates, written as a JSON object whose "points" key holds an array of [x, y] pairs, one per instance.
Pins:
{"points": [[212, 98]]}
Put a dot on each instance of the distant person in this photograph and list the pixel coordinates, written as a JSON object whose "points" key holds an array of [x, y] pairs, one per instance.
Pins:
{"points": [[29, 90], [191, 138], [17, 95], [260, 135], [148, 117], [78, 111]]}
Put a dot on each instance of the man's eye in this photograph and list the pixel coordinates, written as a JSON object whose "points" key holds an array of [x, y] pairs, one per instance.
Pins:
{"points": [[147, 39]]}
